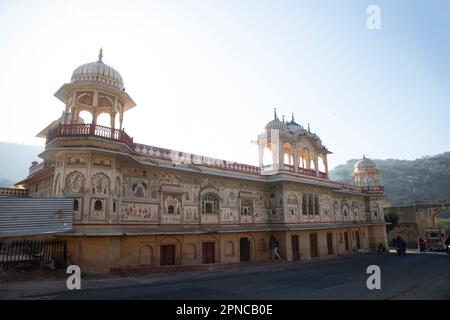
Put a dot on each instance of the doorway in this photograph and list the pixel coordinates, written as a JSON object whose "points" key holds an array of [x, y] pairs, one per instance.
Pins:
{"points": [[330, 243], [358, 241], [244, 245], [295, 249], [209, 252], [167, 255], [347, 246], [313, 245]]}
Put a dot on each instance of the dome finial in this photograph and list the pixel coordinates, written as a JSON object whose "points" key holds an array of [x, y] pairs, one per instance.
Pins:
{"points": [[293, 120], [283, 118], [100, 55], [275, 113], [364, 156], [309, 130]]}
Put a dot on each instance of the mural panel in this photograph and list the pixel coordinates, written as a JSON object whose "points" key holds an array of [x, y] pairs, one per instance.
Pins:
{"points": [[139, 212], [75, 183], [191, 214], [230, 215]]}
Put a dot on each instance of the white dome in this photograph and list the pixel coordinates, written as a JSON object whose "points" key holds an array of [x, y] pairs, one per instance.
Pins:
{"points": [[98, 72], [276, 124]]}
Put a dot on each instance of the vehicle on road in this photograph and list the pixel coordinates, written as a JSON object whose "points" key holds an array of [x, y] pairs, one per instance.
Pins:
{"points": [[435, 239]]}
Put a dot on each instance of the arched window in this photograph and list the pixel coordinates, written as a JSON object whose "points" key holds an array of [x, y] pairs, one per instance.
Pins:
{"points": [[304, 204], [310, 204], [210, 204], [316, 205]]}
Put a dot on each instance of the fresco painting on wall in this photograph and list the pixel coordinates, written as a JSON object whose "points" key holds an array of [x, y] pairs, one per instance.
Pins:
{"points": [[75, 182], [229, 215], [139, 188], [76, 160], [100, 183], [191, 213], [139, 212]]}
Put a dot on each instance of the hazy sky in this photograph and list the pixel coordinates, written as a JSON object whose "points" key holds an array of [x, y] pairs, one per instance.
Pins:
{"points": [[206, 74]]}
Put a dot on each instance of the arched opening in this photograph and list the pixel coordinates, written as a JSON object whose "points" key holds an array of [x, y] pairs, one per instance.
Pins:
{"points": [[85, 117], [305, 159], [312, 161], [267, 156], [301, 159], [288, 157], [441, 220], [322, 166], [104, 119]]}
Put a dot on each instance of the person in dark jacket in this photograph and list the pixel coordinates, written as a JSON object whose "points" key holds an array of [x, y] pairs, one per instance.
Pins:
{"points": [[274, 247]]}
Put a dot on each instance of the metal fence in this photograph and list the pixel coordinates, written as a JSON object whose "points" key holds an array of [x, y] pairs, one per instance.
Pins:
{"points": [[33, 254], [35, 216]]}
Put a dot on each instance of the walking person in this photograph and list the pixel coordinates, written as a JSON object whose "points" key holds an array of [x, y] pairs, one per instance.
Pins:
{"points": [[274, 247], [421, 244]]}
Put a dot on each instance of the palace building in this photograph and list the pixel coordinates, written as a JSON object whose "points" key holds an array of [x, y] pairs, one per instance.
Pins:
{"points": [[137, 205]]}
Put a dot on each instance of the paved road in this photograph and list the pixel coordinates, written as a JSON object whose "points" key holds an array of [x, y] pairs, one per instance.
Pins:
{"points": [[413, 276]]}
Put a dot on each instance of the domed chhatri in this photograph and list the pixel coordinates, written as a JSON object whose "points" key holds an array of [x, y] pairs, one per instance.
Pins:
{"points": [[276, 123], [287, 146], [366, 172], [98, 72], [95, 90], [365, 165]]}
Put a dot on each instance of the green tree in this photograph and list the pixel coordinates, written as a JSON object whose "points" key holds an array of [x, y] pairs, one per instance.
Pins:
{"points": [[392, 218]]}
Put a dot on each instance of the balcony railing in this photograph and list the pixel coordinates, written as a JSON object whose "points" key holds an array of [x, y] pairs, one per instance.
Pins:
{"points": [[179, 157], [90, 130], [13, 193], [372, 188]]}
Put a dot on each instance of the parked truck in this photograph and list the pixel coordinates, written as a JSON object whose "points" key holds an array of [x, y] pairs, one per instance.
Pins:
{"points": [[435, 238]]}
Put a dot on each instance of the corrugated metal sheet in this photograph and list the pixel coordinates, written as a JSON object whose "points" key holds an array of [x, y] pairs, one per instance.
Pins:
{"points": [[34, 216]]}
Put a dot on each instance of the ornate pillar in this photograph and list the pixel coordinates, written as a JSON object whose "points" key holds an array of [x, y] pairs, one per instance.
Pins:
{"points": [[261, 154], [316, 165], [121, 118], [94, 107]]}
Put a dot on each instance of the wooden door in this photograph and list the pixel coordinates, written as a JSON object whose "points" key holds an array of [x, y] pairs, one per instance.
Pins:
{"points": [[313, 245], [358, 241], [295, 249], [330, 243], [167, 255], [244, 249], [209, 254], [347, 246]]}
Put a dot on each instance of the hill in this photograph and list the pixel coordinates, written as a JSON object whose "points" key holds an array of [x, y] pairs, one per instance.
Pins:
{"points": [[16, 159], [406, 181]]}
